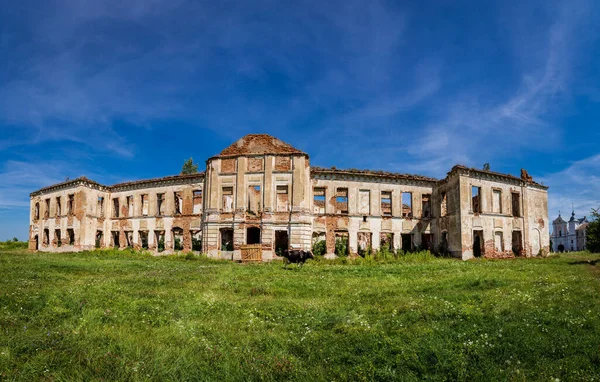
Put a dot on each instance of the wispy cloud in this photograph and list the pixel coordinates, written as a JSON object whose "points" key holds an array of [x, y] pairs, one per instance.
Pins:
{"points": [[577, 186]]}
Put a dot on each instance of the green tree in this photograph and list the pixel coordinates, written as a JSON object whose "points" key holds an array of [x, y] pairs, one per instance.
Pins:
{"points": [[486, 167], [593, 232], [189, 167]]}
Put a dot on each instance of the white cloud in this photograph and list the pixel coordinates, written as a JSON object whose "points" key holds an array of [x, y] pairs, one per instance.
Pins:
{"points": [[577, 186]]}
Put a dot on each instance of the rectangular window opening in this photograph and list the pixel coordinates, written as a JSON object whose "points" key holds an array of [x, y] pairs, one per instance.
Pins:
{"points": [[254, 199], [227, 201], [341, 201], [178, 203], [497, 201], [426, 205], [71, 204], [116, 207], [407, 209], [444, 204], [57, 237], [160, 204], [145, 204], [499, 242], [516, 204], [476, 199], [386, 203], [282, 199], [226, 239], [319, 200], [386, 241], [100, 206], [58, 209], [71, 236], [47, 208], [197, 200], [130, 206]]}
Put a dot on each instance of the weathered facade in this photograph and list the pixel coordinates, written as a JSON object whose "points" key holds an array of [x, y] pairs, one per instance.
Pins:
{"points": [[263, 191]]}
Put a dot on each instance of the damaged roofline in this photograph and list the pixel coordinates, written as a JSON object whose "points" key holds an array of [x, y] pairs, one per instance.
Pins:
{"points": [[83, 181]]}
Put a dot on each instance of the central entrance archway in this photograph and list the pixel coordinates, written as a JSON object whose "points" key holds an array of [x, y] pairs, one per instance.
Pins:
{"points": [[253, 235]]}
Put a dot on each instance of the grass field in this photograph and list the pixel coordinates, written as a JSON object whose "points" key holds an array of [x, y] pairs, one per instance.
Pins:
{"points": [[127, 316]]}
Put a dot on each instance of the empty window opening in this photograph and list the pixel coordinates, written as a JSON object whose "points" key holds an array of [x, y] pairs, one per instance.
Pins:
{"points": [[37, 242], [227, 201], [516, 204], [57, 237], [226, 239], [407, 209], [58, 207], [197, 200], [177, 239], [341, 201], [116, 207], [36, 212], [47, 208], [386, 241], [427, 241], [282, 199], [444, 249], [160, 204], [130, 206], [319, 243], [386, 203], [254, 199], [281, 242], [71, 204], [178, 203], [319, 200], [145, 204], [99, 236], [253, 235], [100, 206], [143, 235], [498, 242], [407, 242], [444, 204], [478, 243], [364, 243], [517, 243], [159, 237], [197, 241], [364, 218], [497, 201], [71, 236], [426, 205], [364, 202], [129, 239], [476, 199], [342, 247], [46, 238], [114, 238]]}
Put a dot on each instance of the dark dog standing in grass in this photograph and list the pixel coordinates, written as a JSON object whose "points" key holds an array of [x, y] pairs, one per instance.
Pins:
{"points": [[296, 256]]}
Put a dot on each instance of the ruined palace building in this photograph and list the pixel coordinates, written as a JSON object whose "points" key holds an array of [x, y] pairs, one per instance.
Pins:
{"points": [[263, 191]]}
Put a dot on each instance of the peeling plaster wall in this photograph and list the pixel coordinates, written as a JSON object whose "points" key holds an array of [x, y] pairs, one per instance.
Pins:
{"points": [[265, 163]]}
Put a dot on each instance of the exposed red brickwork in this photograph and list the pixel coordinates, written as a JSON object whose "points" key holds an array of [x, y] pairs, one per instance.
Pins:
{"points": [[253, 144], [255, 164], [282, 163], [228, 165]]}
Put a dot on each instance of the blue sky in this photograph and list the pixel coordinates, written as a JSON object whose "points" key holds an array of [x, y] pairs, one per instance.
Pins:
{"points": [[124, 90]]}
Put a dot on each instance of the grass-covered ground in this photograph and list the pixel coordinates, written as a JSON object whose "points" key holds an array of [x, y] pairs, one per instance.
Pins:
{"points": [[124, 316]]}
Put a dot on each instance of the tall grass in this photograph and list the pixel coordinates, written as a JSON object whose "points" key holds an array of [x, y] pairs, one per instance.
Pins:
{"points": [[125, 315]]}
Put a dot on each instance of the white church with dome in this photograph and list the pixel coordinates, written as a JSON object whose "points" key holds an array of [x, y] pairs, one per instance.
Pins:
{"points": [[569, 236]]}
